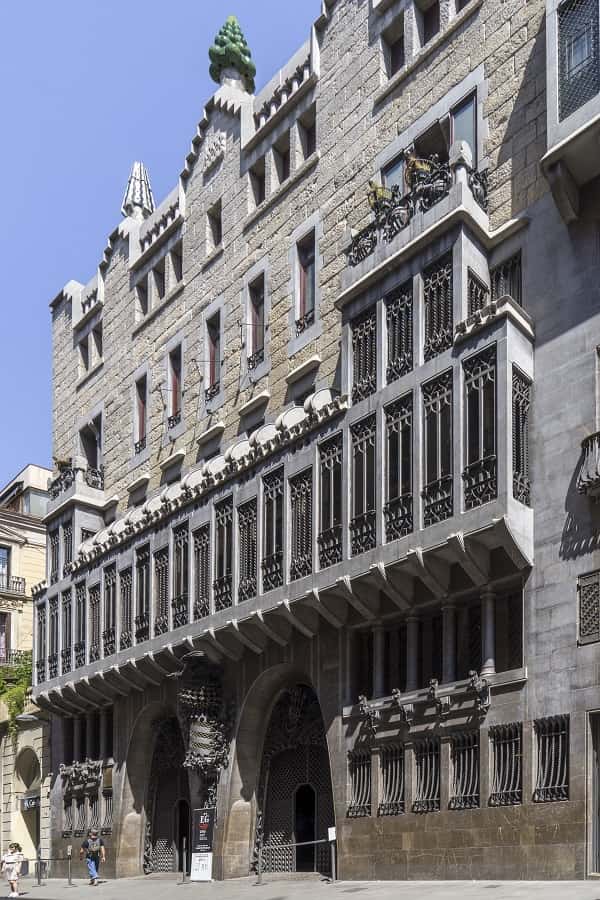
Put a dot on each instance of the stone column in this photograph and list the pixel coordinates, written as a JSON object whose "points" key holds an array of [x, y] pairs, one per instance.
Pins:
{"points": [[412, 653], [378, 661], [103, 747], [488, 632], [90, 735], [77, 748], [448, 642]]}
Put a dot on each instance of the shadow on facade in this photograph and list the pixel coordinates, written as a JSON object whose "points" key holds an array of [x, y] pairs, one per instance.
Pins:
{"points": [[581, 529]]}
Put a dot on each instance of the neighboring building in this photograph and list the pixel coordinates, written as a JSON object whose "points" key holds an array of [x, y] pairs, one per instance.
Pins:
{"points": [[24, 744], [323, 545]]}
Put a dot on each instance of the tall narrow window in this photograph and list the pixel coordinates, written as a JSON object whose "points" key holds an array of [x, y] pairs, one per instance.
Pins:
{"points": [[80, 624], [437, 407], [305, 316], [90, 438], [181, 541], [431, 21], [301, 510], [160, 281], [214, 227], [398, 509], [392, 777], [67, 633], [281, 157], [94, 598], [272, 564], [507, 769], [506, 278], [521, 401], [578, 57], [213, 339], [41, 643], [464, 758], [359, 764], [256, 329], [588, 589], [437, 292], [67, 547], [54, 541], [463, 120], [257, 183], [125, 588], [478, 293], [223, 587], [5, 568], [247, 550], [399, 320], [552, 739], [161, 592], [480, 476], [177, 262], [141, 400], [142, 599], [110, 610], [427, 763], [330, 535], [362, 525], [202, 572], [307, 131], [141, 290], [175, 387], [364, 355], [393, 47]]}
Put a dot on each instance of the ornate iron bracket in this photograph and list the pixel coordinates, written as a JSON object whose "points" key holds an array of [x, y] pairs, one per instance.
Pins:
{"points": [[407, 710], [481, 687], [369, 715], [443, 705]]}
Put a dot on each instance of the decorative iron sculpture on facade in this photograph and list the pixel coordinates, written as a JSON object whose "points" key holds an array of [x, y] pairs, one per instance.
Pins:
{"points": [[407, 710], [443, 704], [208, 723], [588, 478], [82, 776], [369, 716], [481, 688]]}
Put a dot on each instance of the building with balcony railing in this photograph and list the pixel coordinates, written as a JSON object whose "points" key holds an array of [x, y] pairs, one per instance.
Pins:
{"points": [[321, 535]]}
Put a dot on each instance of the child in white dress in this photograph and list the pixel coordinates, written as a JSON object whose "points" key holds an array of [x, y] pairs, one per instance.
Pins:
{"points": [[11, 866]]}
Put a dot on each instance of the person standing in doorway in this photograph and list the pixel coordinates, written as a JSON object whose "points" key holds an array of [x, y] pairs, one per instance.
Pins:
{"points": [[11, 866], [93, 850]]}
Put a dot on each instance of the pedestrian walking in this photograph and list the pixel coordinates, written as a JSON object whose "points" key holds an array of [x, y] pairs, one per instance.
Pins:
{"points": [[11, 866], [93, 850]]}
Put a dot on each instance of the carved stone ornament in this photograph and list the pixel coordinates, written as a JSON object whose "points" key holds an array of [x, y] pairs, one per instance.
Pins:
{"points": [[407, 710], [214, 150], [208, 721], [82, 777], [369, 715], [481, 687], [443, 705]]}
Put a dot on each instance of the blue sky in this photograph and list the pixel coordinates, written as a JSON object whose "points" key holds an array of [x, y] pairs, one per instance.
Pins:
{"points": [[87, 87]]}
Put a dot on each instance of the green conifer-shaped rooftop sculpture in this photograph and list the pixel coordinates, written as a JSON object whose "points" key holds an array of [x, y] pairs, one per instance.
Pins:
{"points": [[230, 51]]}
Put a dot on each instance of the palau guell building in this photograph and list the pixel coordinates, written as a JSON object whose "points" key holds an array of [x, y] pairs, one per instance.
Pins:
{"points": [[323, 539]]}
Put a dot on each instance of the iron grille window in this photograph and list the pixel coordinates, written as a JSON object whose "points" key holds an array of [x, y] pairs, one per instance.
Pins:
{"points": [[506, 279], [464, 760], [359, 764], [398, 509], [363, 535], [175, 387], [223, 555], [80, 624], [256, 325], [53, 540], [427, 761], [161, 581], [248, 551], [578, 58], [141, 399], [95, 623], [588, 589], [67, 547], [107, 802], [301, 508], [552, 739], [53, 638], [110, 610], [142, 600], [67, 633], [80, 816], [364, 355], [521, 403], [392, 780], [41, 644], [202, 572], [307, 283], [478, 293], [213, 339], [67, 817], [480, 476], [330, 537], [94, 809], [272, 563], [181, 541], [507, 775], [437, 292], [399, 320], [125, 590], [437, 494]]}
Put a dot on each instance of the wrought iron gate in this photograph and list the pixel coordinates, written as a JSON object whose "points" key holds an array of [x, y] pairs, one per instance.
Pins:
{"points": [[168, 783]]}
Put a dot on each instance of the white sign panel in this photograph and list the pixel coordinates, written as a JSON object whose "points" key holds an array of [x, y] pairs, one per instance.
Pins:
{"points": [[331, 834], [201, 867]]}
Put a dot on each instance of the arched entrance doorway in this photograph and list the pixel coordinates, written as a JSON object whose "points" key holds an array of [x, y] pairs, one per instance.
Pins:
{"points": [[28, 779], [295, 799], [168, 800]]}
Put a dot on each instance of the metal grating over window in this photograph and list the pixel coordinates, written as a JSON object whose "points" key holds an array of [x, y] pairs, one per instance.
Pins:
{"points": [[398, 509], [588, 589], [161, 580], [94, 805], [552, 736], [359, 765], [437, 493], [521, 403], [53, 540], [223, 583], [392, 780], [427, 761], [41, 644], [464, 760], [125, 583], [110, 610], [67, 830], [80, 624], [507, 770], [364, 355], [142, 572], [181, 571], [202, 572], [399, 319], [363, 528], [301, 507], [578, 57], [506, 279], [67, 632], [330, 535], [107, 819], [478, 293], [80, 816], [480, 475], [94, 623], [247, 515], [53, 637], [272, 562], [437, 292], [67, 547]]}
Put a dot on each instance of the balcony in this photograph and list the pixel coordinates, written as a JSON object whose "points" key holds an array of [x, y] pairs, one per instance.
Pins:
{"points": [[12, 584], [588, 480], [179, 606], [76, 482], [13, 658]]}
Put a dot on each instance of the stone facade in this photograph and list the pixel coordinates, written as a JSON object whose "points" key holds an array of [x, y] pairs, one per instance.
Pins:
{"points": [[320, 488]]}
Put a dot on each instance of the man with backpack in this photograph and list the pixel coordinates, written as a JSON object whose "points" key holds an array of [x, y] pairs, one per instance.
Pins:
{"points": [[93, 850]]}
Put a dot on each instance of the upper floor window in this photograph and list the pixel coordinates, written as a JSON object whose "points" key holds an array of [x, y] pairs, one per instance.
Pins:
{"points": [[430, 21], [588, 590], [438, 297], [521, 402], [175, 387], [330, 535], [301, 522], [307, 132], [256, 328], [177, 261], [463, 120], [4, 567], [84, 355], [54, 542], [91, 443], [362, 524], [143, 302], [281, 158], [437, 407], [160, 279], [398, 510], [202, 572], [248, 551], [161, 591], [305, 314], [257, 183], [223, 587], [67, 546], [213, 338], [110, 609], [578, 56], [181, 540], [506, 278], [392, 175], [141, 399], [214, 227], [142, 598], [399, 321], [393, 47], [272, 565], [480, 474], [364, 355]]}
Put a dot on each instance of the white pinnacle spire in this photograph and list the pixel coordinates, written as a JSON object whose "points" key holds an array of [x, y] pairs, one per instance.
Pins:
{"points": [[138, 199]]}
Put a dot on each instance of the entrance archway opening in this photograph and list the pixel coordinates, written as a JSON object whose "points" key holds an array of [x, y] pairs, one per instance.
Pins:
{"points": [[28, 778], [305, 822], [167, 800], [183, 831]]}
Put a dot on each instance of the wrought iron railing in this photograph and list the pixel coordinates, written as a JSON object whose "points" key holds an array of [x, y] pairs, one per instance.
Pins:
{"points": [[174, 420], [256, 359], [179, 606], [12, 583], [247, 588], [363, 532], [223, 592], [301, 565], [126, 639], [139, 446], [15, 657], [552, 736], [588, 480], [437, 501], [212, 390], [66, 660], [360, 783], [94, 651], [330, 546], [142, 627], [464, 754], [392, 780], [398, 515], [161, 624], [79, 650], [427, 762], [272, 571], [40, 670], [507, 777], [62, 482], [108, 641], [304, 322], [53, 665], [480, 482]]}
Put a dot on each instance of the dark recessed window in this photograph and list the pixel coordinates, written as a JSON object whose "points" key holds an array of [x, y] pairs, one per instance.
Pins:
{"points": [[214, 223], [431, 22], [307, 129], [281, 156], [257, 183]]}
